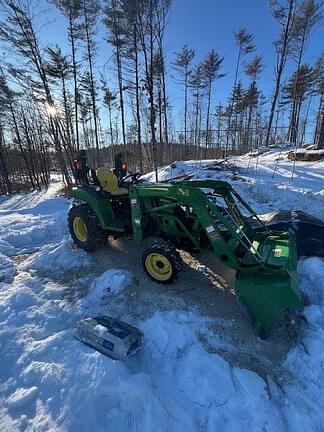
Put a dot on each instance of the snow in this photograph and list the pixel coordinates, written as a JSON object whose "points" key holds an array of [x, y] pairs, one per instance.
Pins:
{"points": [[25, 218], [110, 282], [58, 258], [311, 152], [7, 269], [22, 396], [6, 248], [52, 382], [265, 182]]}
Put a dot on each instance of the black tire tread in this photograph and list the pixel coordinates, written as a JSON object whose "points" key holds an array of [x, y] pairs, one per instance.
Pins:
{"points": [[167, 249], [97, 236]]}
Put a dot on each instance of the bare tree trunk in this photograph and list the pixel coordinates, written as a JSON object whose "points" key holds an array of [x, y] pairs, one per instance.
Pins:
{"points": [[197, 108], [186, 106], [208, 113], [148, 53], [151, 92], [3, 165], [119, 76], [318, 118], [282, 58], [66, 114], [160, 118], [165, 101], [20, 144], [320, 144], [111, 127], [75, 82], [306, 119], [230, 114], [248, 128], [30, 150], [93, 94], [137, 96]]}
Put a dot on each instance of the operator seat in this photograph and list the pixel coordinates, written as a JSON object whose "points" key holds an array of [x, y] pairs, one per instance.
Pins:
{"points": [[109, 183]]}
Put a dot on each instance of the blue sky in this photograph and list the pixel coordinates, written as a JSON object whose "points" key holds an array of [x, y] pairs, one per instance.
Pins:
{"points": [[202, 25]]}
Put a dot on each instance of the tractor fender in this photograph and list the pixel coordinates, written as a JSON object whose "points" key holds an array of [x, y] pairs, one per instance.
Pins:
{"points": [[98, 201]]}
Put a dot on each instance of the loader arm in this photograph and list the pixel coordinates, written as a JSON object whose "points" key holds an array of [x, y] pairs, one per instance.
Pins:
{"points": [[162, 205], [265, 263]]}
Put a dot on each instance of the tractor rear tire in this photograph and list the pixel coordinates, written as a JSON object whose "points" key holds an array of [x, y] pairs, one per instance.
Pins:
{"points": [[162, 263], [85, 228]]}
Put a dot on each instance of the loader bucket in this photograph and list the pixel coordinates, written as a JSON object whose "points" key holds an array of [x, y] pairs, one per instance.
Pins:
{"points": [[271, 291]]}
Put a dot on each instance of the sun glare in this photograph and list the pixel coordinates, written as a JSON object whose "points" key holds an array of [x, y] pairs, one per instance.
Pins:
{"points": [[51, 110]]}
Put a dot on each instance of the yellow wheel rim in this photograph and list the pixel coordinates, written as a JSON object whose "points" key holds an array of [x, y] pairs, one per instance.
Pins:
{"points": [[80, 229], [158, 266]]}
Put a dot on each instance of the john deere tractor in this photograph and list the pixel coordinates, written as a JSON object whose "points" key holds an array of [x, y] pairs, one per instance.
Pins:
{"points": [[192, 214]]}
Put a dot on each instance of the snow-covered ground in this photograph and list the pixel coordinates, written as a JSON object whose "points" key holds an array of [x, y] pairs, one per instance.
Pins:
{"points": [[269, 181], [186, 377]]}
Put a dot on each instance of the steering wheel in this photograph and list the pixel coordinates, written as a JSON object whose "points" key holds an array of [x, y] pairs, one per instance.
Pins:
{"points": [[133, 176]]}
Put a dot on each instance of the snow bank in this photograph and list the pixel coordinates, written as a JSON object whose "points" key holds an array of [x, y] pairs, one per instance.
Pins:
{"points": [[204, 390], [262, 187], [110, 282], [28, 227], [21, 397], [7, 269], [58, 258], [6, 248], [303, 403], [180, 168], [57, 383]]}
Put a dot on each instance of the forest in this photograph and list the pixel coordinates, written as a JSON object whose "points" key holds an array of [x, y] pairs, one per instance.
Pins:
{"points": [[54, 102]]}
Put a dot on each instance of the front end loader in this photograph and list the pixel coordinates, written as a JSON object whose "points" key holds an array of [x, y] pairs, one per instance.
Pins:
{"points": [[198, 215]]}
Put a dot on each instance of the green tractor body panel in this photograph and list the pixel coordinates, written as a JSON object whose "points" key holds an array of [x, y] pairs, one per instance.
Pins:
{"points": [[209, 214], [98, 202]]}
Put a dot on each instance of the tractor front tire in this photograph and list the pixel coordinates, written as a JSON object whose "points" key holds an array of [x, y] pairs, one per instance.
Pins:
{"points": [[162, 263], [85, 228]]}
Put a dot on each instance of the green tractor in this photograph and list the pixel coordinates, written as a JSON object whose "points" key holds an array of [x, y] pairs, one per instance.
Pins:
{"points": [[192, 214]]}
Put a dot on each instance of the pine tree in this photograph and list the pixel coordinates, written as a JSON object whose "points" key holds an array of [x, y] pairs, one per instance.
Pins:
{"points": [[58, 68], [285, 16], [87, 94], [319, 91], [147, 31], [245, 43], [72, 10], [211, 67], [114, 20], [5, 95], [132, 9], [182, 65], [198, 86], [305, 20], [90, 11], [253, 70], [18, 31], [109, 100], [161, 11], [220, 114], [298, 87], [237, 112]]}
